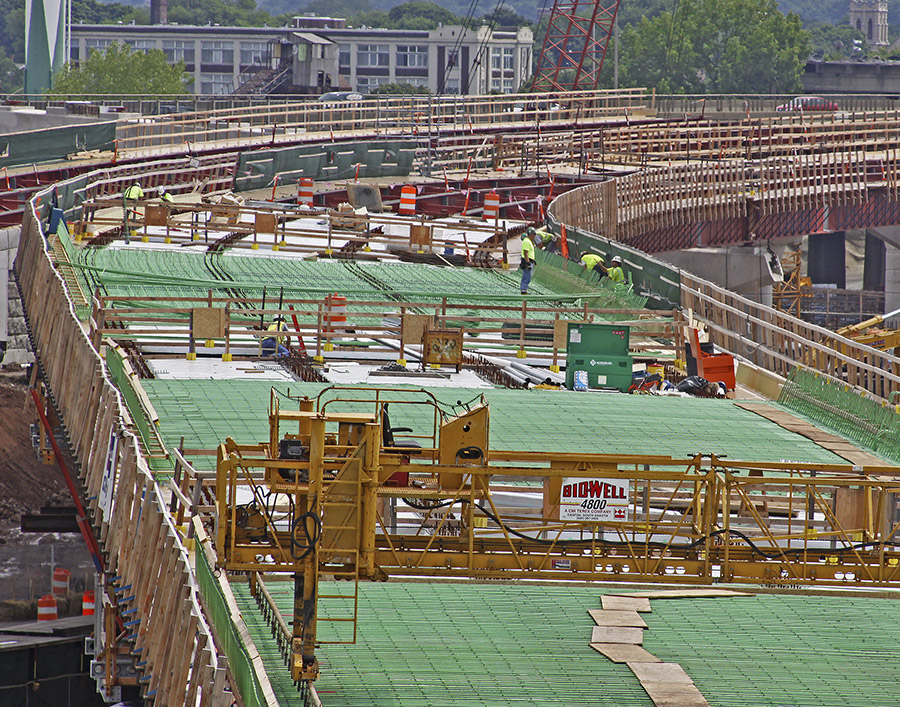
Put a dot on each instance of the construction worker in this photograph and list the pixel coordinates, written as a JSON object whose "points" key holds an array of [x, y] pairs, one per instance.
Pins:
{"points": [[526, 264], [164, 195], [129, 206], [545, 240], [276, 345], [592, 261], [615, 272], [134, 192]]}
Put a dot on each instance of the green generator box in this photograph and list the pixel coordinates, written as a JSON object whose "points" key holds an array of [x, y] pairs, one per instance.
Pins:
{"points": [[597, 354]]}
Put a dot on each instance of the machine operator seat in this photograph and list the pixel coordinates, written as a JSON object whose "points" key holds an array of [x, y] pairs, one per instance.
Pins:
{"points": [[403, 446]]}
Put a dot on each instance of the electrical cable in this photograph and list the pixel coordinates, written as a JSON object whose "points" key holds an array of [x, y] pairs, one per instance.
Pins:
{"points": [[690, 546], [454, 52], [311, 537], [482, 46]]}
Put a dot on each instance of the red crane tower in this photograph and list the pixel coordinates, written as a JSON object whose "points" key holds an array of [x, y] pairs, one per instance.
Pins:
{"points": [[575, 45]]}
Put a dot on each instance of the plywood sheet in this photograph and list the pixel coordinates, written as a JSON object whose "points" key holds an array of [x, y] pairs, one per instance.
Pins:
{"points": [[675, 695], [155, 215], [660, 672], [414, 326], [611, 617], [560, 332], [625, 603], [209, 322], [617, 634], [625, 653], [265, 223]]}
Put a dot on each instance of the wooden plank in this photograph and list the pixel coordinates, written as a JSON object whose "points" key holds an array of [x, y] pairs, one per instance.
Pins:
{"points": [[690, 593], [660, 672], [625, 603], [840, 446], [625, 653], [668, 685], [611, 617], [617, 634], [675, 695]]}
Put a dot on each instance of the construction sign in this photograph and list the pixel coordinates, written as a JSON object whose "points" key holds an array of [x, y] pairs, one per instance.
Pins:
{"points": [[595, 500]]}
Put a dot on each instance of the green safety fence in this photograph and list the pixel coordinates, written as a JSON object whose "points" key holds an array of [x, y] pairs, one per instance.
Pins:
{"points": [[257, 170], [660, 281], [844, 409], [239, 663], [82, 310], [32, 146], [115, 364], [564, 276]]}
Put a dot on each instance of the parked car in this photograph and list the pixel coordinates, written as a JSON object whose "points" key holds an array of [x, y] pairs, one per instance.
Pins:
{"points": [[340, 96], [808, 104]]}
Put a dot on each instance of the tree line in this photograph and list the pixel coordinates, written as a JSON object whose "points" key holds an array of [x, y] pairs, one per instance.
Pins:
{"points": [[689, 46]]}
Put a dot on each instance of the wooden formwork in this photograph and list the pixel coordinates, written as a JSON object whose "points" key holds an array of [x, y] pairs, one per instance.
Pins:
{"points": [[140, 543], [289, 122], [169, 323], [778, 342], [234, 225]]}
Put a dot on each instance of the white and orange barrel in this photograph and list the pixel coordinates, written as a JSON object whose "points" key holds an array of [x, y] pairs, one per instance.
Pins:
{"points": [[87, 603], [61, 581], [305, 191], [491, 206], [47, 608], [335, 312], [408, 200]]}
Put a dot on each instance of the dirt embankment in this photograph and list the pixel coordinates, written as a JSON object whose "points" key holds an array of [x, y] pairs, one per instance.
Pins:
{"points": [[26, 484]]}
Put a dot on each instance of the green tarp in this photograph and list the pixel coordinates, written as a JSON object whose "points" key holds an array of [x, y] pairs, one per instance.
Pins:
{"points": [[257, 170], [55, 143]]}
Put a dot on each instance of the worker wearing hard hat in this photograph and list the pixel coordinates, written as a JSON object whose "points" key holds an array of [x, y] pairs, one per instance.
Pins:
{"points": [[134, 192], [526, 264], [545, 240], [130, 198], [276, 345], [164, 195], [592, 261], [614, 272]]}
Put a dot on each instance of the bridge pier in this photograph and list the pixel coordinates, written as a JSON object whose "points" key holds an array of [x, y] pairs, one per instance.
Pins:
{"points": [[741, 269], [890, 235]]}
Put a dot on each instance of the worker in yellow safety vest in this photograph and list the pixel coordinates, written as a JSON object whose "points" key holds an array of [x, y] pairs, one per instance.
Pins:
{"points": [[592, 261], [130, 198], [276, 345], [615, 272], [546, 240], [164, 195], [526, 264]]}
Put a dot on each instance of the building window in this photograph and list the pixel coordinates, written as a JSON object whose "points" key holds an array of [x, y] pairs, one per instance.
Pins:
{"points": [[216, 84], [412, 56], [496, 58], [870, 29], [508, 86], [420, 81], [217, 52], [367, 84], [508, 58], [373, 55], [179, 50], [344, 57], [495, 84], [100, 45], [141, 45], [254, 53]]}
